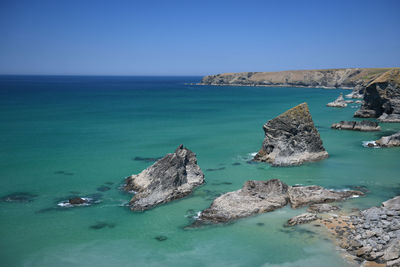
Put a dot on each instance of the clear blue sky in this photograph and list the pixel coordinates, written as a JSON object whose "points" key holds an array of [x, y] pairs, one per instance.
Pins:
{"points": [[195, 37]]}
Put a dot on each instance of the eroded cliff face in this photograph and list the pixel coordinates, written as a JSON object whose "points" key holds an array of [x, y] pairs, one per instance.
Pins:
{"points": [[331, 78], [382, 98]]}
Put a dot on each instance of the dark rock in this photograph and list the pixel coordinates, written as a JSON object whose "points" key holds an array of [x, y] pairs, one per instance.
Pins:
{"points": [[77, 201], [172, 177], [260, 224], [101, 225], [236, 164], [161, 238], [19, 197], [291, 139], [365, 126]]}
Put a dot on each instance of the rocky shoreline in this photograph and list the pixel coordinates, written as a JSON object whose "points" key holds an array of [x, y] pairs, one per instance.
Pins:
{"points": [[257, 197]]}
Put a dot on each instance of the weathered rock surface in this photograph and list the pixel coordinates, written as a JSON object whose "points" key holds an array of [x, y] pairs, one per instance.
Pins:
{"points": [[328, 78], [302, 218], [321, 208], [172, 177], [305, 195], [255, 197], [382, 98], [389, 141], [264, 196], [373, 234], [291, 139], [338, 103], [364, 126]]}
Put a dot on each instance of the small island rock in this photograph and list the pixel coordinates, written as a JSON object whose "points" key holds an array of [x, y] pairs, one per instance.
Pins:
{"points": [[389, 141], [338, 103], [172, 177], [291, 139]]}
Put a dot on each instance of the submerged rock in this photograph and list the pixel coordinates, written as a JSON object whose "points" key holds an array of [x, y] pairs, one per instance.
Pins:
{"points": [[302, 218], [172, 177], [291, 139], [364, 126], [389, 141], [19, 197], [264, 196], [320, 208], [338, 103]]}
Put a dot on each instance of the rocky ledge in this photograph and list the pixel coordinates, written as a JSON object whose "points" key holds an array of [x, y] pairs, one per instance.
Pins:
{"points": [[338, 103], [263, 196], [382, 98], [389, 141], [172, 177], [291, 139], [364, 126], [372, 234]]}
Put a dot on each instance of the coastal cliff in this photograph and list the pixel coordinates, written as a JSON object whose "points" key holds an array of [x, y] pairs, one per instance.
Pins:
{"points": [[329, 78]]}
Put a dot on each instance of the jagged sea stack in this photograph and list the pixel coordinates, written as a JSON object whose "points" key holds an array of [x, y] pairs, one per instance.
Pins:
{"points": [[291, 139], [172, 177]]}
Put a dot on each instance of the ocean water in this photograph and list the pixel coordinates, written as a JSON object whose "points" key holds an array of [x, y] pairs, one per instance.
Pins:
{"points": [[63, 136]]}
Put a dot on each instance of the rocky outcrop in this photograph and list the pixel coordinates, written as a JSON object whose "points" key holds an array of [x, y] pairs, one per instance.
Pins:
{"points": [[372, 234], [338, 103], [302, 218], [300, 196], [172, 177], [364, 126], [382, 98], [263, 196], [389, 141], [291, 139], [321, 208], [254, 197], [328, 78]]}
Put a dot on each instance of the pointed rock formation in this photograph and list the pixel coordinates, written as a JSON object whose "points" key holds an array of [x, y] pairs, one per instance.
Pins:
{"points": [[263, 196], [338, 103], [291, 139], [172, 177]]}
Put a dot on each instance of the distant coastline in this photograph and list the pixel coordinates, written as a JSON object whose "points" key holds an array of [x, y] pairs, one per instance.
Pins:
{"points": [[346, 78]]}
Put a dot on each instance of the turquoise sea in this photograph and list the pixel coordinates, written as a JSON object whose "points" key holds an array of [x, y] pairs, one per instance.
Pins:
{"points": [[63, 136]]}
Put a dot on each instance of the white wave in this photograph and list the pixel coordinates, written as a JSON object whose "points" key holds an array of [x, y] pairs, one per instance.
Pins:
{"points": [[366, 143], [66, 204]]}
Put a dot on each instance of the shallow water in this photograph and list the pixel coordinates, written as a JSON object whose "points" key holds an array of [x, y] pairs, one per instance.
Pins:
{"points": [[75, 136]]}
